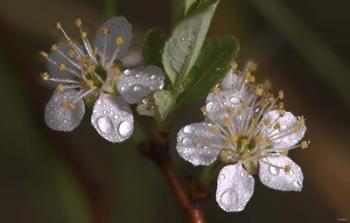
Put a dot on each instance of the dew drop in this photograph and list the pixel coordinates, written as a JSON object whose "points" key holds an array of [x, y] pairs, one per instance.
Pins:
{"points": [[122, 88], [210, 106], [136, 88], [153, 77], [222, 177], [297, 184], [274, 171], [104, 124], [186, 141], [187, 129], [125, 128], [116, 116], [127, 72]]}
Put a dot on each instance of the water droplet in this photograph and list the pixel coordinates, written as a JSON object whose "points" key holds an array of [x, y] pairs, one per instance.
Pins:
{"points": [[137, 75], [104, 124], [222, 177], [65, 121], [274, 170], [187, 129], [297, 184], [125, 128], [127, 72], [186, 141], [136, 88], [122, 88], [210, 106], [116, 116], [99, 102], [153, 77]]}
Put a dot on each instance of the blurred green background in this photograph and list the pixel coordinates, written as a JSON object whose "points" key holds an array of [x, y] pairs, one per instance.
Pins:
{"points": [[302, 47]]}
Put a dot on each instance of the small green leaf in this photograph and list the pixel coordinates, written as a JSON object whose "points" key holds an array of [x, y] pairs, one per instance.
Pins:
{"points": [[211, 66], [182, 48], [180, 9], [153, 46]]}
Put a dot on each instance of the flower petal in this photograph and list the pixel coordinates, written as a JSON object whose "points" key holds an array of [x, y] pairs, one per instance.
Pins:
{"points": [[284, 137], [57, 57], [62, 119], [288, 177], [105, 39], [231, 81], [112, 118], [135, 84], [235, 188], [195, 144]]}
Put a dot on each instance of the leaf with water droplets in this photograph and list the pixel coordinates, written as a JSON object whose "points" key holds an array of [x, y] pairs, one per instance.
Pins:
{"points": [[134, 84], [183, 47], [153, 46], [62, 119], [197, 144], [235, 188], [281, 173], [210, 67], [112, 118]]}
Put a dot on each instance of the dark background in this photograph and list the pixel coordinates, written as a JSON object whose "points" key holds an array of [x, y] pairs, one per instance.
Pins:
{"points": [[302, 47]]}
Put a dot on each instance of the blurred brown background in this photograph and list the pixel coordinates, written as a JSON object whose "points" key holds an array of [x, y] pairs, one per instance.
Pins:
{"points": [[302, 47]]}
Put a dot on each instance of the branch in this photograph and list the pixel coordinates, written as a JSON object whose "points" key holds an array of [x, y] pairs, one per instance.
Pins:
{"points": [[158, 154]]}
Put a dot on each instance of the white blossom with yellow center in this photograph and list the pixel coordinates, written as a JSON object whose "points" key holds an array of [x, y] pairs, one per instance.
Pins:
{"points": [[95, 74], [247, 130]]}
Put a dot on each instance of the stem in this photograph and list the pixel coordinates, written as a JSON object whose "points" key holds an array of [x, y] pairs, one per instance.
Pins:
{"points": [[158, 154]]}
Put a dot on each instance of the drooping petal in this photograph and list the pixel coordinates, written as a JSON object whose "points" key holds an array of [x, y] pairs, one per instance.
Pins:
{"points": [[235, 188], [281, 173], [284, 137], [112, 118], [114, 38], [61, 56], [60, 118], [135, 84], [195, 143]]}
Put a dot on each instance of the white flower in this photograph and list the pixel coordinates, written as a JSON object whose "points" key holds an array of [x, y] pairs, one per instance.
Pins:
{"points": [[244, 129], [94, 73]]}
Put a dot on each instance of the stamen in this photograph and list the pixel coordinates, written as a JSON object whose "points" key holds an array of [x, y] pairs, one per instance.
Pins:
{"points": [[119, 40], [68, 105]]}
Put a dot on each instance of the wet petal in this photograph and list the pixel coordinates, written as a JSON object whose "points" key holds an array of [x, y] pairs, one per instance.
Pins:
{"points": [[105, 39], [288, 177], [135, 84], [60, 56], [195, 144], [285, 137], [235, 188], [112, 118], [231, 81], [62, 119]]}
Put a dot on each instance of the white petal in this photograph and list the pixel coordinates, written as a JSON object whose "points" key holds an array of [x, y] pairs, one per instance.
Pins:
{"points": [[135, 84], [112, 118], [235, 188], [59, 118], [290, 179], [286, 122], [194, 144], [106, 43], [57, 57], [231, 81]]}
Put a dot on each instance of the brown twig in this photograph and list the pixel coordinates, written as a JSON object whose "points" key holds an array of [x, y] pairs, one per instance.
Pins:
{"points": [[157, 152]]}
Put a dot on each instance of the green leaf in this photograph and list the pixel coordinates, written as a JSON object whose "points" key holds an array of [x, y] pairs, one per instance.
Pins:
{"points": [[153, 46], [158, 106], [211, 66], [180, 9], [182, 48]]}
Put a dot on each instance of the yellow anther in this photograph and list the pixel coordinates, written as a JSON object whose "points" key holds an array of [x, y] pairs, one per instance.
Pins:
{"points": [[58, 25], [61, 66], [204, 110], [284, 153], [91, 69], [268, 140], [281, 105], [83, 34], [119, 40], [281, 94], [227, 121], [77, 22], [216, 89], [95, 51], [45, 76], [244, 142], [234, 65], [69, 42], [267, 122], [304, 145], [231, 140], [116, 71], [44, 54], [104, 31], [277, 126], [250, 78], [258, 139], [287, 169], [68, 105], [60, 88], [259, 90], [89, 83], [252, 66], [215, 130], [54, 47], [226, 156], [230, 110], [71, 53]]}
